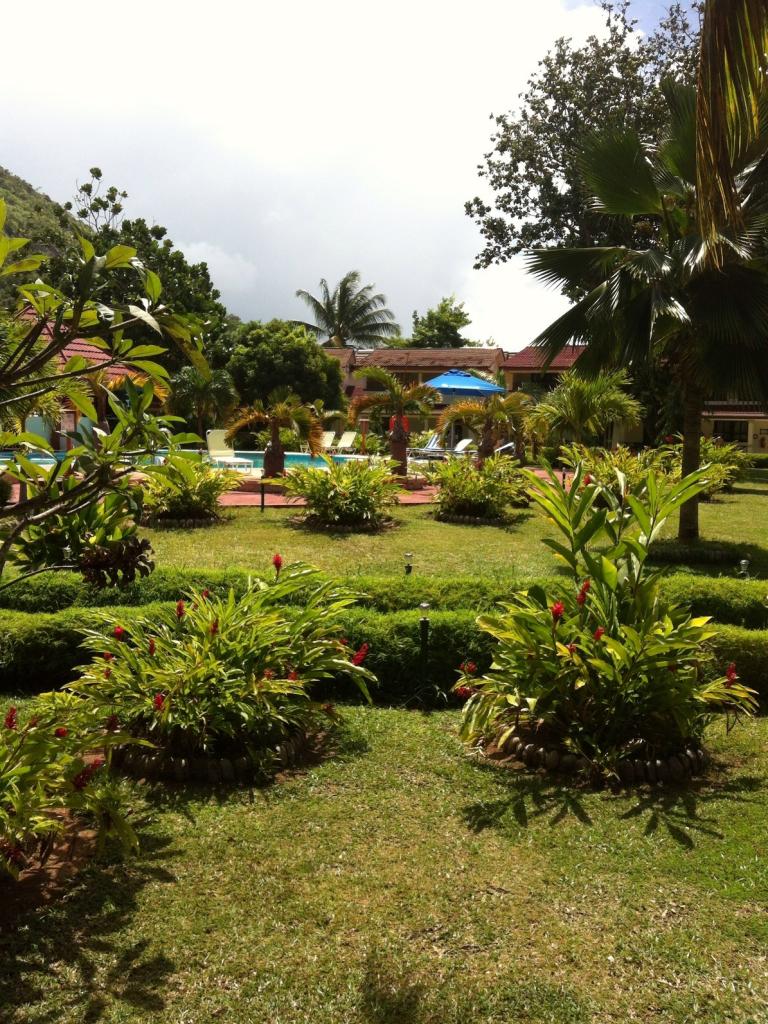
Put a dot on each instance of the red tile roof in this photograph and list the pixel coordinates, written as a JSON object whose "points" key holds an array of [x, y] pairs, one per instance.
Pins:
{"points": [[346, 356], [432, 358], [531, 358], [81, 347]]}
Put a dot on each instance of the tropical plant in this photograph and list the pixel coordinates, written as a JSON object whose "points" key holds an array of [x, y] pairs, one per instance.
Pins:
{"points": [[579, 407], [351, 314], [283, 409], [491, 421], [188, 488], [352, 493], [608, 671], [485, 491], [621, 468], [205, 398], [230, 676], [440, 327], [48, 765], [700, 314], [396, 400]]}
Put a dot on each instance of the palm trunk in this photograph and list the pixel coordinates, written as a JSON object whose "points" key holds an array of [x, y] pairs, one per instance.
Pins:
{"points": [[688, 530], [486, 446], [398, 446], [274, 456]]}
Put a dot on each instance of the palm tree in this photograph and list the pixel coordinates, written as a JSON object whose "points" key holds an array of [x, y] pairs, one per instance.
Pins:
{"points": [[733, 63], [670, 305], [350, 314], [206, 399], [397, 400], [584, 407], [282, 409], [491, 421]]}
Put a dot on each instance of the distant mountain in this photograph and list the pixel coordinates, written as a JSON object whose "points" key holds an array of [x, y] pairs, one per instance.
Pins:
{"points": [[34, 215]]}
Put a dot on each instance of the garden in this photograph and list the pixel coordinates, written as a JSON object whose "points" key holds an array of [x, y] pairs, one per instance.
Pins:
{"points": [[501, 755]]}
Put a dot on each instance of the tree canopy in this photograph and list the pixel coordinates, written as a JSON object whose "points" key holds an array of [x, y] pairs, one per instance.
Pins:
{"points": [[440, 327], [532, 170], [261, 357], [353, 314]]}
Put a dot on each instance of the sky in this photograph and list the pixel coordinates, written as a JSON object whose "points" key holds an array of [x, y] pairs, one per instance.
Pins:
{"points": [[287, 142]]}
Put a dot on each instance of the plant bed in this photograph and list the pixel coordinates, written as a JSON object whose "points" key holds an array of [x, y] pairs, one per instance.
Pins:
{"points": [[449, 517], [636, 767], [168, 523], [312, 522]]}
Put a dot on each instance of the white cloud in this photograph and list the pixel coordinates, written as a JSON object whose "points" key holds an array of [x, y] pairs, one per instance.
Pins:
{"points": [[288, 142]]}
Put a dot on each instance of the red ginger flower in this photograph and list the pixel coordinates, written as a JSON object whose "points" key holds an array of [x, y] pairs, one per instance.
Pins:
{"points": [[464, 692], [360, 655], [151, 646], [293, 675], [731, 675], [588, 479], [108, 656], [268, 673], [205, 594], [112, 724], [83, 777], [558, 610], [159, 701], [598, 632], [11, 718], [277, 561], [214, 627], [107, 673], [180, 609], [61, 732], [118, 632], [468, 668]]}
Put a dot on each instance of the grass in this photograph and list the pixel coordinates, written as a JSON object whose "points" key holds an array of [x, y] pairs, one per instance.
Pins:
{"points": [[251, 537], [399, 882]]}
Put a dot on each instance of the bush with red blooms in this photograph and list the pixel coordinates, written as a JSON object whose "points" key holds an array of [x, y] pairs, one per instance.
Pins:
{"points": [[226, 676], [609, 669], [47, 768]]}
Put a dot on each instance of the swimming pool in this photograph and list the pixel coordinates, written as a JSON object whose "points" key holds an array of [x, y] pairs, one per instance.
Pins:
{"points": [[293, 459]]}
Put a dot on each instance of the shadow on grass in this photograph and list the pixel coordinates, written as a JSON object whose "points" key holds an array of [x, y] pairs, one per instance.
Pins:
{"points": [[680, 810], [56, 953], [710, 556]]}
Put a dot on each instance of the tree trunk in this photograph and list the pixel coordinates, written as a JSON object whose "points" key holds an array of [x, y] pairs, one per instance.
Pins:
{"points": [[486, 446], [688, 530], [274, 456], [398, 446]]}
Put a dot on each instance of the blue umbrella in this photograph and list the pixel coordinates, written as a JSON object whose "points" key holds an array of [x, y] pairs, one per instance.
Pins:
{"points": [[459, 382]]}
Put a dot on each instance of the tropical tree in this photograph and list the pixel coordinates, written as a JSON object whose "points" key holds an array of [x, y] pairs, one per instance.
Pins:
{"points": [[351, 314], [669, 303], [491, 421], [441, 327], [206, 399], [396, 400], [282, 409], [584, 407]]}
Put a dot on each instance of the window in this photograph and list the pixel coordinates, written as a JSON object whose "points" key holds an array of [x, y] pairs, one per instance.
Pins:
{"points": [[732, 430]]}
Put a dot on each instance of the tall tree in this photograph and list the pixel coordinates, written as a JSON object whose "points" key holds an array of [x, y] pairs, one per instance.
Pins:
{"points": [[441, 327], [668, 303], [532, 170], [396, 400], [350, 315], [263, 356], [281, 409], [496, 419]]}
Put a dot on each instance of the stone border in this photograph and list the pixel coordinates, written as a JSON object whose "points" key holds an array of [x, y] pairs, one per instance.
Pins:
{"points": [[447, 517], [145, 763], [631, 771], [178, 524], [306, 523]]}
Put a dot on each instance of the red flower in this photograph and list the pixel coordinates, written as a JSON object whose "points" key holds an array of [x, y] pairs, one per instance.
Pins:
{"points": [[61, 732], [277, 561], [344, 642], [108, 656], [670, 438], [118, 632], [293, 675], [112, 724], [214, 627], [468, 668], [464, 692], [11, 718], [588, 479], [269, 673], [558, 610], [205, 594], [731, 675], [672, 667], [180, 609], [581, 597], [83, 777], [571, 649], [107, 673], [330, 710], [159, 701], [151, 646], [585, 588], [598, 632], [360, 655]]}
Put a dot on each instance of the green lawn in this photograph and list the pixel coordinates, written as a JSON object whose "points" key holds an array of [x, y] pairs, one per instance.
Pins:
{"points": [[398, 882], [251, 538]]}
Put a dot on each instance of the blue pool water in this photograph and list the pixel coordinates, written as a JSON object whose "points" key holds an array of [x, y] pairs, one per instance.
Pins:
{"points": [[291, 459]]}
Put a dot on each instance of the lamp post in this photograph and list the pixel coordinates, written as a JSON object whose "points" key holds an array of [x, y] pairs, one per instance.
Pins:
{"points": [[409, 563], [424, 635], [743, 570]]}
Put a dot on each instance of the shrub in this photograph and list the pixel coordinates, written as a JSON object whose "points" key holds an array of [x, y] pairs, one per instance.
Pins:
{"points": [[45, 767], [602, 465], [609, 669], [355, 493], [487, 492], [758, 460], [188, 488], [726, 462], [229, 676]]}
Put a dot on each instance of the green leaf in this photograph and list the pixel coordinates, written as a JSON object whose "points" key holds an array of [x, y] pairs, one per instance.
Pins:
{"points": [[152, 285], [8, 438], [142, 351], [83, 405], [23, 266], [119, 256], [142, 314], [88, 250], [153, 369]]}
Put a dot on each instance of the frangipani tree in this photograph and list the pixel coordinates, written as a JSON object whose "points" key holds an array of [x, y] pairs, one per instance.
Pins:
{"points": [[282, 409], [396, 400]]}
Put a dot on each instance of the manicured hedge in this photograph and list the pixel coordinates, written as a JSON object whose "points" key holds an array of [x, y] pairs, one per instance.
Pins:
{"points": [[759, 460], [727, 600], [39, 652]]}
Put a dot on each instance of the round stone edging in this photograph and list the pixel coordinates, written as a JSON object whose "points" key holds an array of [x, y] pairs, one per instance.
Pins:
{"points": [[176, 524], [445, 517], [631, 771], [142, 763]]}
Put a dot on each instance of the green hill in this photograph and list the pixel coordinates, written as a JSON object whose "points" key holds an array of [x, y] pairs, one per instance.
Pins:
{"points": [[34, 215]]}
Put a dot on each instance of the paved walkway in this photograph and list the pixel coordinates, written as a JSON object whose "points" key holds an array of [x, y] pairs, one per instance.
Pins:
{"points": [[248, 498]]}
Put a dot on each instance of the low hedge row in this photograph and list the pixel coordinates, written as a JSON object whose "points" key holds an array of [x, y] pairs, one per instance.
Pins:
{"points": [[727, 600], [40, 651]]}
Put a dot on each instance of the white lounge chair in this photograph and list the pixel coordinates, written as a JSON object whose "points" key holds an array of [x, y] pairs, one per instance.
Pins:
{"points": [[346, 442], [221, 455], [431, 450], [462, 446], [329, 436]]}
